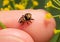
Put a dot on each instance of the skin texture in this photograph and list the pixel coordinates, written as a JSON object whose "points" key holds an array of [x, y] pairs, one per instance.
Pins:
{"points": [[14, 35], [40, 29]]}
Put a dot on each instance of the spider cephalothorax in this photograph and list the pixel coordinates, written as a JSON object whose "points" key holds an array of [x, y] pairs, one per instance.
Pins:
{"points": [[26, 18]]}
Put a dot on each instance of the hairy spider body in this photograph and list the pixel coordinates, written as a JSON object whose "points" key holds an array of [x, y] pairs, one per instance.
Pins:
{"points": [[26, 18]]}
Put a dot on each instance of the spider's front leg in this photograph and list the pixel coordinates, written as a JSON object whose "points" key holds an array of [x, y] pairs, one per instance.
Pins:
{"points": [[30, 21], [22, 23]]}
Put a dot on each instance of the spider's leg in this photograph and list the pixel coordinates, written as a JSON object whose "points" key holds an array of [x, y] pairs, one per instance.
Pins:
{"points": [[27, 22], [30, 21], [22, 23]]}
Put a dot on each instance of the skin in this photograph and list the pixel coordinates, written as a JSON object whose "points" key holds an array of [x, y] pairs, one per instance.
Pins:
{"points": [[40, 29], [14, 35]]}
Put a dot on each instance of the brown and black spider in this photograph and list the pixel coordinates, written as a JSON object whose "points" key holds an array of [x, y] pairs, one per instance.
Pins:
{"points": [[26, 18]]}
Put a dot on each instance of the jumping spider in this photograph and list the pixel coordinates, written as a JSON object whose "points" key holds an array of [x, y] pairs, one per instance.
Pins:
{"points": [[26, 18]]}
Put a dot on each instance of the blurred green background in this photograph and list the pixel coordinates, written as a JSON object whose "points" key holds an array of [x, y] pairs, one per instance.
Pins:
{"points": [[52, 6]]}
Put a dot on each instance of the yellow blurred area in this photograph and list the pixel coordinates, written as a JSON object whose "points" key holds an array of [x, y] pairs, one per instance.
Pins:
{"points": [[5, 2], [6, 9], [48, 16], [56, 31], [19, 6], [35, 3], [48, 4]]}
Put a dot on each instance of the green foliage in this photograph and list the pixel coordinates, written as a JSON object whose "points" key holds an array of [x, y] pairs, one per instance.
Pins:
{"points": [[2, 25], [55, 38], [1, 1]]}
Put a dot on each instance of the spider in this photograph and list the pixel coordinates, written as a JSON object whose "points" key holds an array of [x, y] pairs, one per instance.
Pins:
{"points": [[26, 18]]}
